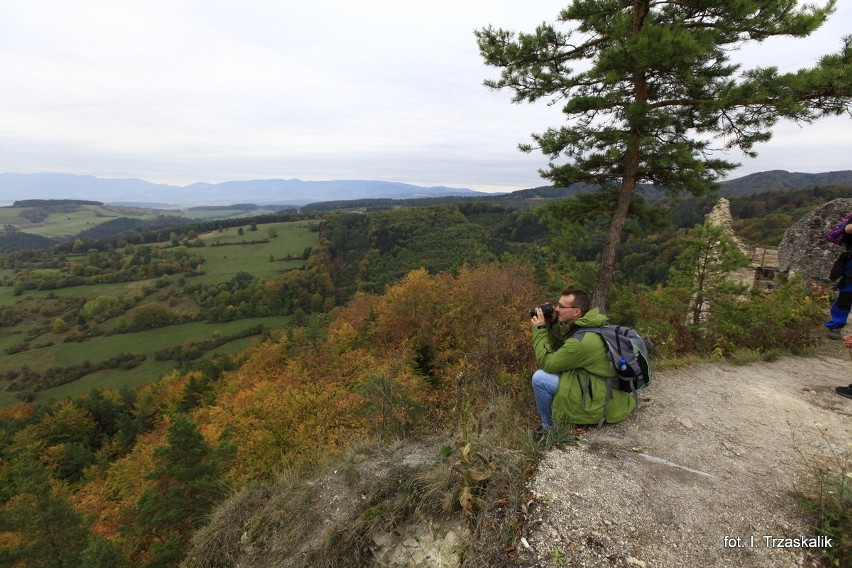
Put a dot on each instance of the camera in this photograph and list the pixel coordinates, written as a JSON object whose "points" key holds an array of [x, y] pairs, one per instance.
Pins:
{"points": [[546, 310]]}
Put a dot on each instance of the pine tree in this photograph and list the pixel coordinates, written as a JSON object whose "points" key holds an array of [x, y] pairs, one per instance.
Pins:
{"points": [[654, 92], [185, 475], [50, 532]]}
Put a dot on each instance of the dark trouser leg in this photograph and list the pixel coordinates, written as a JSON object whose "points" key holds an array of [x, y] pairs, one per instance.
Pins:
{"points": [[840, 310]]}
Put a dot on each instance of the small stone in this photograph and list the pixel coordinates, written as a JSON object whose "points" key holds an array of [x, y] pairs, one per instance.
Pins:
{"points": [[736, 450]]}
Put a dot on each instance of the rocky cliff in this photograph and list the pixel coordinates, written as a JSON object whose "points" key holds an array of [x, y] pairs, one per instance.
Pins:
{"points": [[804, 250]]}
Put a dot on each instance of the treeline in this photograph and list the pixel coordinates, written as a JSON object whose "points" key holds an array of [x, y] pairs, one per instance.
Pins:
{"points": [[370, 251], [763, 218], [50, 202], [131, 263], [27, 379], [149, 232], [191, 350], [13, 240], [132, 226]]}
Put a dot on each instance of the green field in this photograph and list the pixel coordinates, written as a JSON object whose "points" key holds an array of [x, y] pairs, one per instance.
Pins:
{"points": [[67, 224], [66, 221], [12, 216], [223, 262], [264, 259], [57, 220], [103, 347]]}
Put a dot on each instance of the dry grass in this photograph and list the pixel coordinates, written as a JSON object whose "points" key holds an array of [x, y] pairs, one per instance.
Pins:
{"points": [[330, 518]]}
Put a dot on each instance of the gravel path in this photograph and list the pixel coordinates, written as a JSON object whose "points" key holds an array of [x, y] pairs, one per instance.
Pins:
{"points": [[702, 475]]}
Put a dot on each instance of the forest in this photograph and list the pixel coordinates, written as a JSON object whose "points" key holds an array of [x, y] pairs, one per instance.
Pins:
{"points": [[264, 345]]}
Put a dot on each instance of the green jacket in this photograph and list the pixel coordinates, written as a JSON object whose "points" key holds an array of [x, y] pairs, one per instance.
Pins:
{"points": [[581, 394]]}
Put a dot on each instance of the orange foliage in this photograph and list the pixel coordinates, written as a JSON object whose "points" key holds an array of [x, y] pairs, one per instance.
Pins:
{"points": [[357, 311], [474, 324], [17, 411], [10, 540], [485, 327], [111, 497], [297, 401]]}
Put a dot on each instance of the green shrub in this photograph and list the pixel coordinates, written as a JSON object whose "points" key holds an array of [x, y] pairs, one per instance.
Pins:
{"points": [[832, 507], [779, 319]]}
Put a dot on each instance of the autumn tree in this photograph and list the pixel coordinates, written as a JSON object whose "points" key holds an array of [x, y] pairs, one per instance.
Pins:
{"points": [[654, 92]]}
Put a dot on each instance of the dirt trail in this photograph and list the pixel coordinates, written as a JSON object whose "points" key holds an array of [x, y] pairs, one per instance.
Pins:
{"points": [[708, 463]]}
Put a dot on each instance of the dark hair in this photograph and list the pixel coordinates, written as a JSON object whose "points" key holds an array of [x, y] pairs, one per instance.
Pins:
{"points": [[581, 298]]}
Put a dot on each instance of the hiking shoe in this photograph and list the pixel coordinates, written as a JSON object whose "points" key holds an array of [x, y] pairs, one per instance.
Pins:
{"points": [[834, 334], [844, 391], [538, 433]]}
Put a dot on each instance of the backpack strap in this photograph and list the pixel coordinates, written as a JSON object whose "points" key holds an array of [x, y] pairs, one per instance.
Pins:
{"points": [[609, 383], [606, 402]]}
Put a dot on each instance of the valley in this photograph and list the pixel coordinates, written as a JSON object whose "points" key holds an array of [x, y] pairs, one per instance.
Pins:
{"points": [[79, 310]]}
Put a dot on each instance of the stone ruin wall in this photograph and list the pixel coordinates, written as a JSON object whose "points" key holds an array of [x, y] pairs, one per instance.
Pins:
{"points": [[763, 260]]}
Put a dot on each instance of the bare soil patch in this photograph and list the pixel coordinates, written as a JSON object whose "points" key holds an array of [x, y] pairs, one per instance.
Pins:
{"points": [[703, 474]]}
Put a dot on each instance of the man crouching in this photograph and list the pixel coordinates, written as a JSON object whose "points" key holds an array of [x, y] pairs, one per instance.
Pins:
{"points": [[569, 385]]}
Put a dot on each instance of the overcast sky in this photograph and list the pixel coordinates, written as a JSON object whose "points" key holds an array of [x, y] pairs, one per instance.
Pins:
{"points": [[182, 91]]}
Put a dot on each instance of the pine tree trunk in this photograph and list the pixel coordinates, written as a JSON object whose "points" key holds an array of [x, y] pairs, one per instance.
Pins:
{"points": [[606, 275]]}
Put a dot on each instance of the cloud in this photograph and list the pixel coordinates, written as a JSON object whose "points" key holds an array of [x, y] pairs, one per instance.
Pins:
{"points": [[216, 90]]}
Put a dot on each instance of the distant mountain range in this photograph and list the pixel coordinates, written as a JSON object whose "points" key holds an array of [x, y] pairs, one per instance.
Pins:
{"points": [[781, 179], [15, 187]]}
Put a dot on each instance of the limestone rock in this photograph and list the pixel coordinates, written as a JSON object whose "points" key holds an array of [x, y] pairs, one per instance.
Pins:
{"points": [[804, 250], [720, 216]]}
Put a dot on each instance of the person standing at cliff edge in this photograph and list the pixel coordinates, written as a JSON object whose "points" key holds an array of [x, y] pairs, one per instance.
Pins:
{"points": [[839, 310], [845, 391]]}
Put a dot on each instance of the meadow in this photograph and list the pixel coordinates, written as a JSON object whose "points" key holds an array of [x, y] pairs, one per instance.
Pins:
{"points": [[145, 342], [45, 329], [67, 220], [228, 252], [59, 219]]}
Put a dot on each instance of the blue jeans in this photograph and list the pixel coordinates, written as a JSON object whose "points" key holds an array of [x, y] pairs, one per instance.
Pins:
{"points": [[839, 311], [544, 388]]}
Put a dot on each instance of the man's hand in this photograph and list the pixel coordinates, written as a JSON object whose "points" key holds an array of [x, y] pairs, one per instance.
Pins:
{"points": [[538, 319]]}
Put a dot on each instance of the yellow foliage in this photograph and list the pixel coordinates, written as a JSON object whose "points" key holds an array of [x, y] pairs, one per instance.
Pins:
{"points": [[279, 427], [409, 309], [111, 496], [343, 337]]}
